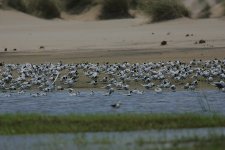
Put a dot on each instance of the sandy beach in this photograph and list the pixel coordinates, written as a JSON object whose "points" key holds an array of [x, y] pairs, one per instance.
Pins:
{"points": [[132, 40]]}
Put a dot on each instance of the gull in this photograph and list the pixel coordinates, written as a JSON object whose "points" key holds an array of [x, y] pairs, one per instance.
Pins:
{"points": [[116, 105], [8, 95], [118, 75], [210, 79], [59, 88], [110, 91], [125, 87], [21, 92], [173, 88], [135, 91], [71, 90], [92, 93], [192, 87], [93, 82], [223, 90], [105, 79], [109, 86], [148, 86], [75, 93], [158, 90], [128, 94], [186, 86], [35, 94]]}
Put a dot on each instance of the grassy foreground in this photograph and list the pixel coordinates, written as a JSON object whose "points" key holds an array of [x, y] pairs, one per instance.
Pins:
{"points": [[33, 123]]}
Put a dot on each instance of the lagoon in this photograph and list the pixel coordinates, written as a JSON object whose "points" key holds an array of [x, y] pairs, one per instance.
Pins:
{"points": [[61, 103]]}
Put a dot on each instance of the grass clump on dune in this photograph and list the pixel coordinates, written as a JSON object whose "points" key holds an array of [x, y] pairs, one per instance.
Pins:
{"points": [[205, 12], [16, 4], [161, 10], [112, 9], [222, 2], [78, 6], [133, 4], [31, 124], [224, 8], [40, 8]]}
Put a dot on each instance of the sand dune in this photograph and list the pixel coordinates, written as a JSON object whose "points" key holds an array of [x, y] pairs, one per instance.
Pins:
{"points": [[27, 34]]}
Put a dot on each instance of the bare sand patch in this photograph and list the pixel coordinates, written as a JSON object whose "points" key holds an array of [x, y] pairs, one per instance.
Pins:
{"points": [[107, 41]]}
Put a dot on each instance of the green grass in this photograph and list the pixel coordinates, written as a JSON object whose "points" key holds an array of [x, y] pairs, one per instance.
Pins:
{"points": [[33, 123], [162, 10]]}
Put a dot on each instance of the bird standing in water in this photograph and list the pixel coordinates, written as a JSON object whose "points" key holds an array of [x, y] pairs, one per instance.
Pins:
{"points": [[116, 105]]}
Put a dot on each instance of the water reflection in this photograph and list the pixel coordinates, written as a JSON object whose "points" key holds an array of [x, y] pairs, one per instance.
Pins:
{"points": [[153, 139]]}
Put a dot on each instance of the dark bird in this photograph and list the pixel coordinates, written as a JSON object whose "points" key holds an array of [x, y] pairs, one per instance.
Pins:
{"points": [[116, 105], [219, 85]]}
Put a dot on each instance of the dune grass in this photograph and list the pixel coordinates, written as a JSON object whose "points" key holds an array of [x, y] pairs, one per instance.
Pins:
{"points": [[162, 10], [16, 4], [157, 10], [112, 9], [33, 123], [40, 8], [78, 6], [133, 4], [205, 12], [224, 8]]}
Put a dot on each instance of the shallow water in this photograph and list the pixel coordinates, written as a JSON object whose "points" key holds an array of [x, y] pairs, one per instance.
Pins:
{"points": [[149, 102], [104, 140]]}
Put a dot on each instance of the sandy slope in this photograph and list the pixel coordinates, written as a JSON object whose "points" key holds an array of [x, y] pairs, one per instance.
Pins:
{"points": [[129, 39]]}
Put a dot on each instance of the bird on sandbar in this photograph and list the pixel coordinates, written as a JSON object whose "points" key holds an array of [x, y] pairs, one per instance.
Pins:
{"points": [[220, 85]]}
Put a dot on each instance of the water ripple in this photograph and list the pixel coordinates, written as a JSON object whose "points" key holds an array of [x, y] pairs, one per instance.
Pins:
{"points": [[149, 102]]}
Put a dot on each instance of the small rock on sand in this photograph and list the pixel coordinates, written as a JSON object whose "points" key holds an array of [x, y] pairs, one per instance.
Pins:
{"points": [[164, 43], [202, 41]]}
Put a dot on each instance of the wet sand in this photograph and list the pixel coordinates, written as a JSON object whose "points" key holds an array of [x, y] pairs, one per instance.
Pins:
{"points": [[113, 56]]}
